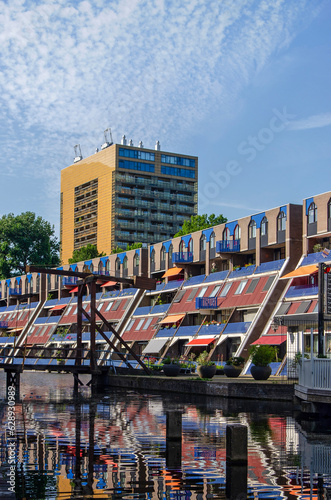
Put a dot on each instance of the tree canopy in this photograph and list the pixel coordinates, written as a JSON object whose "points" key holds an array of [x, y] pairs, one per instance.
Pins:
{"points": [[85, 253], [133, 246], [198, 222], [26, 239]]}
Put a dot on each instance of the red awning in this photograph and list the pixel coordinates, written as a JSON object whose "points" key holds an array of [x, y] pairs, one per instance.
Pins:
{"points": [[201, 341], [270, 340], [110, 283], [59, 307], [74, 290]]}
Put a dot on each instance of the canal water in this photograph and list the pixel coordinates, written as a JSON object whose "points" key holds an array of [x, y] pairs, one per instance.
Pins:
{"points": [[114, 446]]}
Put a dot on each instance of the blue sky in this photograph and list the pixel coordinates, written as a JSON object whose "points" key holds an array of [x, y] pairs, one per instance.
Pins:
{"points": [[244, 85]]}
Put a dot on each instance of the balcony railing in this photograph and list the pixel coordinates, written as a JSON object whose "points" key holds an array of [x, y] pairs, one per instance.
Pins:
{"points": [[70, 280], [15, 291], [207, 303], [3, 324], [228, 246], [315, 374], [182, 257]]}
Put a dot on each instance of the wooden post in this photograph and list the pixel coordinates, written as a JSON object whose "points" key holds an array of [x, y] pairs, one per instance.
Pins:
{"points": [[236, 462], [174, 439]]}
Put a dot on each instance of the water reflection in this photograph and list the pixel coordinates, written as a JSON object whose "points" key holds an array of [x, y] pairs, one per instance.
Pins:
{"points": [[115, 446]]}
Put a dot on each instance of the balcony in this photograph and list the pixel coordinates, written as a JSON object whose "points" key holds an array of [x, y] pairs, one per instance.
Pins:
{"points": [[207, 302], [182, 257], [15, 291], [226, 246], [3, 324], [302, 291]]}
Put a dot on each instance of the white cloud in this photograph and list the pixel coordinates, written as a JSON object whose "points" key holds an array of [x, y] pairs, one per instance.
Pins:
{"points": [[314, 121], [149, 69]]}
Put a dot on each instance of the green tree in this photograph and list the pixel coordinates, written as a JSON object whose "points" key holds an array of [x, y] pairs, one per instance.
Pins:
{"points": [[85, 253], [198, 222], [26, 239]]}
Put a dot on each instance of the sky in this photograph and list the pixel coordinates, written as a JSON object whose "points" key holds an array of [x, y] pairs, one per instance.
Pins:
{"points": [[242, 84]]}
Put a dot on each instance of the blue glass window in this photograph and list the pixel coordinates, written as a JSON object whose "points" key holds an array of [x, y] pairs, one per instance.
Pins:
{"points": [[134, 153], [136, 165], [178, 160], [179, 172]]}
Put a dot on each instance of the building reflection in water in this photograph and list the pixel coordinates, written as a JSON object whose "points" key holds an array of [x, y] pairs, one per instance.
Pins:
{"points": [[117, 446]]}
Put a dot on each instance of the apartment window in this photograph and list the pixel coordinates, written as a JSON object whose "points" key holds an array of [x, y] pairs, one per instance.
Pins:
{"points": [[252, 285], [178, 160], [225, 290], [130, 325], [153, 257], [179, 296], [171, 250], [240, 287], [117, 305], [190, 245], [215, 291], [281, 221], [226, 234], [252, 229], [268, 284], [312, 213], [192, 295], [148, 322], [203, 243], [264, 226], [202, 292], [181, 246], [140, 324], [136, 165], [136, 260], [117, 264], [109, 305], [237, 232], [125, 263], [163, 254], [212, 240], [100, 306], [68, 310]]}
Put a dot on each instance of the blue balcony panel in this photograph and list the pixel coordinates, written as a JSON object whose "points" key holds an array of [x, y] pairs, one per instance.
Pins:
{"points": [[160, 309], [315, 258], [302, 291], [206, 303], [274, 265], [165, 332], [182, 257], [187, 331], [3, 324], [142, 311], [15, 291], [226, 246], [194, 280], [69, 280], [218, 276], [240, 327], [242, 271], [172, 285], [211, 329]]}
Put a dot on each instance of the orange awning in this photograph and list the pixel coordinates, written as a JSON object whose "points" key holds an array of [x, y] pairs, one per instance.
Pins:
{"points": [[270, 340], [301, 271], [172, 318], [201, 341], [174, 271], [59, 307], [110, 283], [74, 290]]}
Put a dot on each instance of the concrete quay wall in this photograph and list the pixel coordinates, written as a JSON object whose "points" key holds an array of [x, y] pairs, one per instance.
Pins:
{"points": [[265, 391]]}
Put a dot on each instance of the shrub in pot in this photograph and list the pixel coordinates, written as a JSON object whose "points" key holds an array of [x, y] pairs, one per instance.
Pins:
{"points": [[262, 355], [233, 366], [171, 367], [206, 368]]}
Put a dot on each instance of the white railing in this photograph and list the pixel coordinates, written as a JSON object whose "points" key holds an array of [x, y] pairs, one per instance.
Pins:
{"points": [[315, 373]]}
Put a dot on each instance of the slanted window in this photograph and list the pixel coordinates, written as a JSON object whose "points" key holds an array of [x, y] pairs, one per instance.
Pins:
{"points": [[130, 325], [252, 285], [268, 284], [225, 289], [192, 295], [148, 322], [202, 292], [179, 296], [240, 287], [281, 221], [100, 306], [237, 232], [116, 305], [264, 226], [109, 305], [252, 229], [215, 291], [140, 324], [312, 213], [226, 234]]}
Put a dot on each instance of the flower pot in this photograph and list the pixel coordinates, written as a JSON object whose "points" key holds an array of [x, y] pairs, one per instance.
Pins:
{"points": [[206, 371], [219, 371], [232, 371], [261, 372], [171, 370]]}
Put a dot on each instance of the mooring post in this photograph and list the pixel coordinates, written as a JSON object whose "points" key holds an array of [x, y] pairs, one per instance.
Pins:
{"points": [[236, 462], [174, 439]]}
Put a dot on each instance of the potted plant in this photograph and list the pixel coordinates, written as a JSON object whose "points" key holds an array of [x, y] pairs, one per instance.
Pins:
{"points": [[206, 368], [171, 367], [262, 355], [219, 370], [234, 366]]}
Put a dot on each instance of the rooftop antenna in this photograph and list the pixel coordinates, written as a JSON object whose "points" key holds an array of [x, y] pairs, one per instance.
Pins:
{"points": [[78, 153], [107, 143]]}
